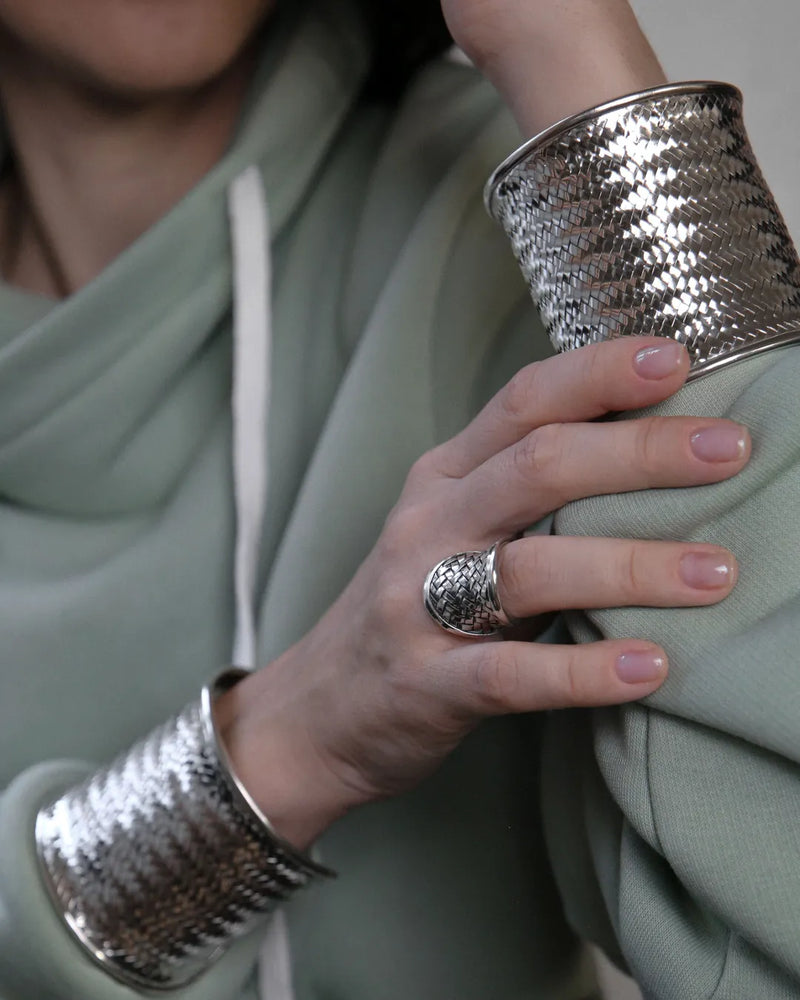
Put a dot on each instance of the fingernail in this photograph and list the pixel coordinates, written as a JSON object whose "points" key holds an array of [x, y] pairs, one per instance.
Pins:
{"points": [[639, 667], [706, 570], [659, 360], [720, 443]]}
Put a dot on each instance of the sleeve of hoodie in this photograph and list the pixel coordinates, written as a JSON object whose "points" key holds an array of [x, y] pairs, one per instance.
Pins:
{"points": [[675, 824]]}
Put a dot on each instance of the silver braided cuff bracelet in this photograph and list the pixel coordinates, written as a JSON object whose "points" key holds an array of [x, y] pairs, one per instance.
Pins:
{"points": [[161, 859], [649, 216]]}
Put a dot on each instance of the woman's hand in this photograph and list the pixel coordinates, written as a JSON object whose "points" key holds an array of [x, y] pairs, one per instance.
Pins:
{"points": [[553, 58], [377, 694]]}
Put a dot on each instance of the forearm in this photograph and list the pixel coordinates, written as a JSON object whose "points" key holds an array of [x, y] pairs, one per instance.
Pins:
{"points": [[551, 60]]}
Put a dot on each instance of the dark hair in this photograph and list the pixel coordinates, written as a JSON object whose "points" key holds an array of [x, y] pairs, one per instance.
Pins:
{"points": [[406, 34]]}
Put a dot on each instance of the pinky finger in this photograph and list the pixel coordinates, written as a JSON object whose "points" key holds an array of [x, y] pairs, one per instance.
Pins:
{"points": [[502, 677]]}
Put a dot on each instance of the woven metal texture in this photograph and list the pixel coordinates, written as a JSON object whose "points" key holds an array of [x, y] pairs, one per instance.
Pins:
{"points": [[460, 594], [652, 218], [155, 862]]}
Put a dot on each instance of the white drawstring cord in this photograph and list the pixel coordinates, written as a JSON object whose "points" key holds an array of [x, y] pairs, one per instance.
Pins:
{"points": [[252, 357], [252, 371]]}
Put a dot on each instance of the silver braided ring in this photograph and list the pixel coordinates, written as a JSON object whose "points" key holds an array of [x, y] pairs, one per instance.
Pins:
{"points": [[460, 593]]}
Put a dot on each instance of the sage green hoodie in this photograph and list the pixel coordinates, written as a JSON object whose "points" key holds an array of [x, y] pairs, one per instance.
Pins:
{"points": [[396, 310], [673, 827]]}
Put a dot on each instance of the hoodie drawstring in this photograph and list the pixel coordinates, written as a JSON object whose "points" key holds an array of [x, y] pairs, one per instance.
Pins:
{"points": [[250, 396], [252, 359]]}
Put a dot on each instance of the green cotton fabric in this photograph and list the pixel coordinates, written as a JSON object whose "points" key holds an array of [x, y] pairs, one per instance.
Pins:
{"points": [[674, 825], [397, 310]]}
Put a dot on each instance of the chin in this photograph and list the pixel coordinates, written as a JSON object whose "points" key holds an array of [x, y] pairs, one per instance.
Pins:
{"points": [[133, 48]]}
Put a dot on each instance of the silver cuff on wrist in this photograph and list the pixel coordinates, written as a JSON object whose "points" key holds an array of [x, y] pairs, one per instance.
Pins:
{"points": [[649, 216], [159, 860]]}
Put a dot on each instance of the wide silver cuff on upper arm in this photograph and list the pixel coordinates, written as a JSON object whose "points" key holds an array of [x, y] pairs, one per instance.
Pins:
{"points": [[649, 216], [161, 859]]}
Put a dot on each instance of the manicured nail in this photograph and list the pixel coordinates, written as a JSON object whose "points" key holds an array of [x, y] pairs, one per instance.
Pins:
{"points": [[640, 667], [720, 443], [660, 360], [706, 570]]}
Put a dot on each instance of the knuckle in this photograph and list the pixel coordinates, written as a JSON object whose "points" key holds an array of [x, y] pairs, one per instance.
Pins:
{"points": [[424, 469], [523, 569], [538, 455], [518, 394], [511, 573], [649, 445], [633, 573], [574, 681], [403, 681], [406, 522], [393, 605], [406, 528], [497, 682], [596, 366]]}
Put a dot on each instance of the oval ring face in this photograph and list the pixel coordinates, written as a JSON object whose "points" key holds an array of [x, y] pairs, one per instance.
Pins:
{"points": [[460, 594]]}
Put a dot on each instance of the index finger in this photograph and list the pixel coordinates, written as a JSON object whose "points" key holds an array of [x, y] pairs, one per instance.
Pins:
{"points": [[623, 374]]}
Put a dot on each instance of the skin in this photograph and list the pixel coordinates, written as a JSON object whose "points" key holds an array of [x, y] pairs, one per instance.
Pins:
{"points": [[553, 58], [115, 109], [133, 50], [376, 695]]}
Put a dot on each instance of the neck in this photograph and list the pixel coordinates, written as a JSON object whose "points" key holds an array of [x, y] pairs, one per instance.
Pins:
{"points": [[88, 176]]}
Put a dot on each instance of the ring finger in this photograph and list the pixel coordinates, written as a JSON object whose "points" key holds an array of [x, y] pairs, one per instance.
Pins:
{"points": [[547, 573]]}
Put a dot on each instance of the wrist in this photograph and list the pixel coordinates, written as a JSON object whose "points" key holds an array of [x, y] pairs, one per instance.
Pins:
{"points": [[273, 756], [550, 60]]}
